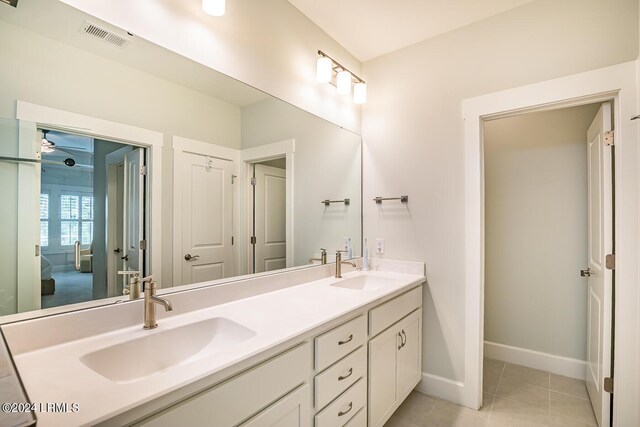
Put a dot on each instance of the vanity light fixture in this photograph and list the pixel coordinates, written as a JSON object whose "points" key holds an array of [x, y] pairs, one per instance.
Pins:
{"points": [[214, 7], [328, 70]]}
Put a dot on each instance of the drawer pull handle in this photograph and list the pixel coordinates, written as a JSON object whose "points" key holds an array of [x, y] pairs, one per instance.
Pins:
{"points": [[404, 339], [344, 377], [341, 413], [400, 345], [346, 341]]}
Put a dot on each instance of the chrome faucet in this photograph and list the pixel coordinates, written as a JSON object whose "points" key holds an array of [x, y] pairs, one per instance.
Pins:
{"points": [[133, 288], [339, 263], [322, 259], [150, 301]]}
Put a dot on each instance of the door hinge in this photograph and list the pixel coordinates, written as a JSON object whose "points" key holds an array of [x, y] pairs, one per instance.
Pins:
{"points": [[609, 138], [143, 170], [610, 262], [254, 181], [608, 385], [143, 245], [37, 250], [253, 240], [233, 179]]}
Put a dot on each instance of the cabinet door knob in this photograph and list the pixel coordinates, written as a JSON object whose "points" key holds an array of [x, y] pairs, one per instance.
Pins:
{"points": [[404, 339], [346, 341], [400, 336], [344, 377], [341, 413]]}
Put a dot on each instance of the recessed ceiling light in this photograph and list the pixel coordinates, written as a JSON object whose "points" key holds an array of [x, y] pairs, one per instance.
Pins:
{"points": [[214, 7]]}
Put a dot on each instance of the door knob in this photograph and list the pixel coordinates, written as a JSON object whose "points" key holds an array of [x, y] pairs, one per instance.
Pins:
{"points": [[585, 273], [189, 257], [126, 257]]}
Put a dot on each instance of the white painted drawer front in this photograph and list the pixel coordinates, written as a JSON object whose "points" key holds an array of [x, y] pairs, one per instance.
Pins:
{"points": [[359, 419], [242, 396], [339, 377], [339, 342], [345, 407], [293, 410], [380, 318]]}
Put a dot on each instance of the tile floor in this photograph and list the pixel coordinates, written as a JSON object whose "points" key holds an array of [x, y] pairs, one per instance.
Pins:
{"points": [[514, 396]]}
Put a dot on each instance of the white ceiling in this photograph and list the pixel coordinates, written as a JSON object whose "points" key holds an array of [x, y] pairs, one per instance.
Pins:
{"points": [[370, 28]]}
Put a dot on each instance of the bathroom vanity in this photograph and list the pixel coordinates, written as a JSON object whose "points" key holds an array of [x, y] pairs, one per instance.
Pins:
{"points": [[298, 348]]}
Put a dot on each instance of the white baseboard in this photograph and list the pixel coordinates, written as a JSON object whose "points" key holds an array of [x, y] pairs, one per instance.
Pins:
{"points": [[442, 388], [566, 366]]}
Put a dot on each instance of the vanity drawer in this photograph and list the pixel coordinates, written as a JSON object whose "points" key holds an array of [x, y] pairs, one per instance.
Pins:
{"points": [[339, 342], [359, 419], [385, 315], [340, 377], [345, 407], [241, 396]]}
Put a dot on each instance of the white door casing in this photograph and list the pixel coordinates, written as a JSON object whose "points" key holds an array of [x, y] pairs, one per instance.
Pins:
{"points": [[617, 83], [133, 226], [270, 218], [600, 243], [34, 115], [207, 211]]}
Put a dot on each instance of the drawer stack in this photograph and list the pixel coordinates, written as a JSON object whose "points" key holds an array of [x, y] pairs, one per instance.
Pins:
{"points": [[341, 381]]}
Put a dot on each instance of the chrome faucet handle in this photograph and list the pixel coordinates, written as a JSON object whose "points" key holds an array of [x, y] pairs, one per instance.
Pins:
{"points": [[323, 250]]}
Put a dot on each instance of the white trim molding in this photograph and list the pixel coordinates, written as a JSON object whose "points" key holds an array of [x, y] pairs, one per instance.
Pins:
{"points": [[565, 366], [287, 149], [185, 145], [55, 119], [440, 387], [617, 83]]}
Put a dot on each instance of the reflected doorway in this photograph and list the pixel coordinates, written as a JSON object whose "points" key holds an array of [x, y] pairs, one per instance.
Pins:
{"points": [[268, 216], [91, 190]]}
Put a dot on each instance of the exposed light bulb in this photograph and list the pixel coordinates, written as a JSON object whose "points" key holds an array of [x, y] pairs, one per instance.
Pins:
{"points": [[360, 93], [343, 82], [214, 7], [324, 69]]}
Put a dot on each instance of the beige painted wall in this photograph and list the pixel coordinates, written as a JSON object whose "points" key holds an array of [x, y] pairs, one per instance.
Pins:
{"points": [[413, 134], [536, 231]]}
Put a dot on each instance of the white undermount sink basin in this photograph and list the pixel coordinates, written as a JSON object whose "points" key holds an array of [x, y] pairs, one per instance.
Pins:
{"points": [[162, 349], [364, 282]]}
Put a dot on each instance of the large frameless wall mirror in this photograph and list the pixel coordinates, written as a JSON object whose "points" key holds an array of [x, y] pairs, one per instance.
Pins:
{"points": [[243, 177]]}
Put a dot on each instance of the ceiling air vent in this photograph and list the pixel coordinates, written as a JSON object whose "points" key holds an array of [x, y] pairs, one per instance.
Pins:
{"points": [[105, 35]]}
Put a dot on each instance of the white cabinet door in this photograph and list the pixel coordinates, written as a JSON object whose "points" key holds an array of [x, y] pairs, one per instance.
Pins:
{"points": [[383, 351], [409, 354], [293, 410]]}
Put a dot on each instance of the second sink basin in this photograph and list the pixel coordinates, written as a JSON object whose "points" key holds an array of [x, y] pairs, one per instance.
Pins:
{"points": [[363, 283], [162, 349]]}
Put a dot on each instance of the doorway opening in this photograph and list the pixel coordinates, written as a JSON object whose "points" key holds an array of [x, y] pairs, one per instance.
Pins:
{"points": [[92, 218], [267, 214], [548, 226]]}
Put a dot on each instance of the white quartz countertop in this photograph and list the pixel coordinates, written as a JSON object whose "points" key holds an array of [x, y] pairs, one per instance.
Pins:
{"points": [[56, 373]]}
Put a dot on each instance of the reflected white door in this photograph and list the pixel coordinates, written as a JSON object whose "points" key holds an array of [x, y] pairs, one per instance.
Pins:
{"points": [[270, 218], [133, 205], [207, 252], [600, 243]]}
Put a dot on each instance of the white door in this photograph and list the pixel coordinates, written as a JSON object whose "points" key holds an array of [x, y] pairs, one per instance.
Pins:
{"points": [[207, 209], [409, 355], [270, 218], [600, 241], [133, 226], [383, 353]]}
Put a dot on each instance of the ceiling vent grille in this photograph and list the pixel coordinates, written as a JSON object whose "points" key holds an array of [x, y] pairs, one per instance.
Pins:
{"points": [[105, 35]]}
